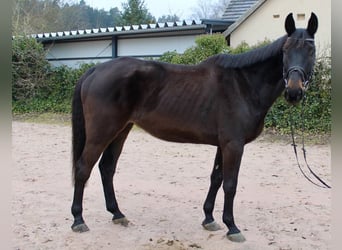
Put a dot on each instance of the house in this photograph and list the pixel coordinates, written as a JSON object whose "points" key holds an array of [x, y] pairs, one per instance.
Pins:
{"points": [[265, 20]]}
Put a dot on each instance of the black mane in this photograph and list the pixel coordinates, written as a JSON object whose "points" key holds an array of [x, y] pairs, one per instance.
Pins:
{"points": [[248, 58]]}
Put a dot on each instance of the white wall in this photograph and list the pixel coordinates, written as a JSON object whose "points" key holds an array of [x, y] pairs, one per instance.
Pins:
{"points": [[92, 51], [262, 24], [80, 49], [154, 46]]}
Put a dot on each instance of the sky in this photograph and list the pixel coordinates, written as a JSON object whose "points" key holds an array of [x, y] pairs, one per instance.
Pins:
{"points": [[182, 8]]}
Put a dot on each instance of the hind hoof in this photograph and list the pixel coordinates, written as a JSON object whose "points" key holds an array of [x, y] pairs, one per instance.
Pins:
{"points": [[212, 226], [123, 221], [80, 228], [237, 237]]}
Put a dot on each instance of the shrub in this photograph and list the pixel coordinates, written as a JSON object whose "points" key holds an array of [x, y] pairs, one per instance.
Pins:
{"points": [[205, 46], [29, 68], [36, 86]]}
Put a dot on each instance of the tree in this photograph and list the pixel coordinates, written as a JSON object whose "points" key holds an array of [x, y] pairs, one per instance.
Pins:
{"points": [[116, 17], [209, 9], [31, 16], [135, 12], [168, 18]]}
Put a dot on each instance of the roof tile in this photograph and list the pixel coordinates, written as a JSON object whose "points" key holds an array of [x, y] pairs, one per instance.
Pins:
{"points": [[236, 8]]}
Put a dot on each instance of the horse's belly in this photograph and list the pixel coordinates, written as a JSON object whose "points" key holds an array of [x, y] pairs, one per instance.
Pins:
{"points": [[175, 132]]}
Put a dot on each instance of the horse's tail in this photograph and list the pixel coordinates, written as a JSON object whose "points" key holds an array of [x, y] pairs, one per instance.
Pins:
{"points": [[78, 123]]}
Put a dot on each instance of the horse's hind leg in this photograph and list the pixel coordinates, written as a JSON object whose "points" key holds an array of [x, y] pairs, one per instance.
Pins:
{"points": [[107, 168], [97, 139], [83, 169], [215, 183]]}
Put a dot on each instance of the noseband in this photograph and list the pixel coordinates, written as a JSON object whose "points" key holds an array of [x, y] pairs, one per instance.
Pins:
{"points": [[305, 77]]}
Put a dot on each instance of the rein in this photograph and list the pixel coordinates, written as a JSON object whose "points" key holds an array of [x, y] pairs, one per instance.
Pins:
{"points": [[323, 184]]}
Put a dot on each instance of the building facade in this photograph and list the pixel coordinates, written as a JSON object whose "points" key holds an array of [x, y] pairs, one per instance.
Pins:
{"points": [[266, 18]]}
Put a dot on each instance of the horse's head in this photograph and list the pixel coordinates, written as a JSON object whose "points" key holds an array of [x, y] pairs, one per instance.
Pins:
{"points": [[298, 58]]}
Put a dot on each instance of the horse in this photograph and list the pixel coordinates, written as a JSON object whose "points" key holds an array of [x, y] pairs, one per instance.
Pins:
{"points": [[221, 101]]}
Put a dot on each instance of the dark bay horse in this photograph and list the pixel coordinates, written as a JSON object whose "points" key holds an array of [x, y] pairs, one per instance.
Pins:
{"points": [[222, 102]]}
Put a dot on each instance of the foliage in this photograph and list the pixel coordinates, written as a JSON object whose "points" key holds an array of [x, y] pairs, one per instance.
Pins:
{"points": [[205, 46], [29, 68], [205, 9], [57, 96], [168, 18], [135, 12], [36, 86], [37, 16]]}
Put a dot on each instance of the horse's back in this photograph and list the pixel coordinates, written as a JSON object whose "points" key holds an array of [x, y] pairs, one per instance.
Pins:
{"points": [[168, 101]]}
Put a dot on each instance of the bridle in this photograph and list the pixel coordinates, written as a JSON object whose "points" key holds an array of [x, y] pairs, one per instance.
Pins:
{"points": [[321, 184], [306, 77]]}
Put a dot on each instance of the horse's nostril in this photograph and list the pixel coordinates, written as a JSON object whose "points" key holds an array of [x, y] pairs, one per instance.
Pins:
{"points": [[293, 95], [300, 94]]}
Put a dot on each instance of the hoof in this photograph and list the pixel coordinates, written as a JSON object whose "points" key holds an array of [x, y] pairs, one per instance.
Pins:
{"points": [[212, 226], [238, 237], [80, 228], [123, 221]]}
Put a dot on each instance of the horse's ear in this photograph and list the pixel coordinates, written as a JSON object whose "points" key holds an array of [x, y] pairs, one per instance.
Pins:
{"points": [[290, 25], [312, 24]]}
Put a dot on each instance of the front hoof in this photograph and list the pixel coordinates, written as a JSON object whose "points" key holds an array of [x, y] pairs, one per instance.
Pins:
{"points": [[212, 226], [123, 221], [236, 237], [80, 228]]}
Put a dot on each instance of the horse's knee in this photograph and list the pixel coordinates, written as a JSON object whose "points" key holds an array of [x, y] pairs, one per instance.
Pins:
{"points": [[82, 174]]}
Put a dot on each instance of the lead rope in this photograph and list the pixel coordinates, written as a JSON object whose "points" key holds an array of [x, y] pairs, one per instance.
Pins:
{"points": [[304, 151]]}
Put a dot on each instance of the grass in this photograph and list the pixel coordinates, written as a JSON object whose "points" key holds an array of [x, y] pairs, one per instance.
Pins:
{"points": [[44, 118]]}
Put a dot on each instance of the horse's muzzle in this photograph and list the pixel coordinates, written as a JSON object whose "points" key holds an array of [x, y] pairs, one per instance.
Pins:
{"points": [[294, 85], [294, 95]]}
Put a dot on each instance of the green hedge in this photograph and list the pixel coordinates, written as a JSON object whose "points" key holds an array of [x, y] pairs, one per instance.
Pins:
{"points": [[38, 88]]}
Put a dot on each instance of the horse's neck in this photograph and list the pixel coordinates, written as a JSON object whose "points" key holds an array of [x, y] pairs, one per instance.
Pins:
{"points": [[267, 83]]}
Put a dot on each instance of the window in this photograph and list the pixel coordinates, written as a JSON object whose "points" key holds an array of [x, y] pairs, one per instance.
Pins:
{"points": [[300, 17]]}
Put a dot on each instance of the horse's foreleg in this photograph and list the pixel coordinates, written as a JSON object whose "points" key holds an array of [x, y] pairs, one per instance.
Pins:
{"points": [[232, 153], [215, 183], [107, 168]]}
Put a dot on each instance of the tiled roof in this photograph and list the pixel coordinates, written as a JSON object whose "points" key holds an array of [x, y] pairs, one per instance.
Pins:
{"points": [[141, 28], [236, 8]]}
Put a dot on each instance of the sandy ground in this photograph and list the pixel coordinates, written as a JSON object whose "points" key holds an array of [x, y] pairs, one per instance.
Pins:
{"points": [[161, 187]]}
